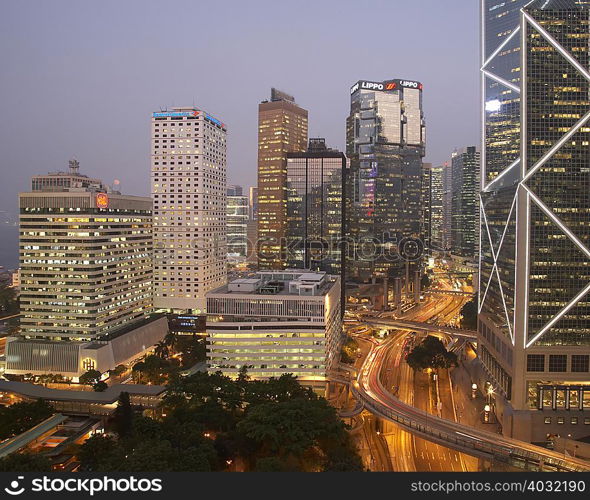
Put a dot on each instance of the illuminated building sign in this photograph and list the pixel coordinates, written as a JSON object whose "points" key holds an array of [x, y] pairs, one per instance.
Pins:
{"points": [[215, 121], [102, 200], [176, 114], [385, 86]]}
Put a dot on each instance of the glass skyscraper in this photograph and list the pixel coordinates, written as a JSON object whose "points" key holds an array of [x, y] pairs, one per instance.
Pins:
{"points": [[315, 208], [465, 164], [534, 322], [385, 144]]}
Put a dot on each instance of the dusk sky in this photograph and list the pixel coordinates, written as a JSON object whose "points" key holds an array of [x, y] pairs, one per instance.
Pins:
{"points": [[80, 78]]}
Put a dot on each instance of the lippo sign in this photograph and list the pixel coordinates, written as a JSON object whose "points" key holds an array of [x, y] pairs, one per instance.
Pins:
{"points": [[387, 85]]}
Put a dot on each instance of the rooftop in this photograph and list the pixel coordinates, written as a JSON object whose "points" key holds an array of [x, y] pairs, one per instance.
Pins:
{"points": [[108, 396]]}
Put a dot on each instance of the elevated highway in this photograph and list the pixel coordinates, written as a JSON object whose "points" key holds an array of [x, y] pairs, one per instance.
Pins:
{"points": [[420, 326], [368, 389]]}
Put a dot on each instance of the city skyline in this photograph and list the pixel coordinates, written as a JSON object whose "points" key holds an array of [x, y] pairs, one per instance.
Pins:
{"points": [[109, 66]]}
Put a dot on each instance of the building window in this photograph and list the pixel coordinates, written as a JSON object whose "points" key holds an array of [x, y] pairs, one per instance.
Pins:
{"points": [[560, 420], [547, 420], [587, 421], [574, 420], [535, 363], [557, 363], [580, 362]]}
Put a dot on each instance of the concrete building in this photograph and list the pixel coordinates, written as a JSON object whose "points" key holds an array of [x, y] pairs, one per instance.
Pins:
{"points": [[282, 129], [278, 322], [534, 341], [188, 177], [86, 277], [237, 217], [253, 200], [447, 206]]}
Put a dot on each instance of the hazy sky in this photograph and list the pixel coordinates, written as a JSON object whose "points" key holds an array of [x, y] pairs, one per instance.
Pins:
{"points": [[80, 78]]}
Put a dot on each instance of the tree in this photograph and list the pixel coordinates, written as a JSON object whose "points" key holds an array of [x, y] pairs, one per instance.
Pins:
{"points": [[118, 370], [123, 416], [425, 281], [349, 350], [101, 454], [100, 386], [25, 462], [431, 353], [161, 350], [91, 377], [469, 314], [22, 416]]}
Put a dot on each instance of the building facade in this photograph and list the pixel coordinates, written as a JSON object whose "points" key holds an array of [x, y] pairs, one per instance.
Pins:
{"points": [[534, 340], [436, 208], [189, 181], [315, 208], [385, 144], [465, 165], [447, 202], [278, 322], [86, 276], [282, 129], [237, 217]]}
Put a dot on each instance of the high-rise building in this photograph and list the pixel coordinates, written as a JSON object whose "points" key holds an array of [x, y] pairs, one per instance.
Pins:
{"points": [[189, 189], [234, 190], [426, 208], [315, 208], [436, 207], [275, 323], [465, 165], [447, 206], [86, 277], [534, 339], [237, 218], [253, 201], [282, 129], [385, 144]]}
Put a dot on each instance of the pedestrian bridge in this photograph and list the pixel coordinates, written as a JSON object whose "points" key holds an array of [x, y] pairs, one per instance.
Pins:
{"points": [[421, 327]]}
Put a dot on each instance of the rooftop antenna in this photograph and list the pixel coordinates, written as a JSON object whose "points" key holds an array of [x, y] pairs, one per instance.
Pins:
{"points": [[74, 166]]}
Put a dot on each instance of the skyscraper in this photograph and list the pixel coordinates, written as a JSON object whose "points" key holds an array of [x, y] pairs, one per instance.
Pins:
{"points": [[436, 207], [426, 207], [282, 129], [315, 208], [385, 142], [253, 200], [86, 277], [534, 339], [189, 190], [447, 206], [465, 165], [237, 217]]}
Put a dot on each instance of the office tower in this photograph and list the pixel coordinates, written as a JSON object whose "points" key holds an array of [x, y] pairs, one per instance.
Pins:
{"points": [[282, 129], [465, 165], [237, 217], [234, 190], [447, 206], [426, 208], [189, 190], [315, 208], [275, 323], [534, 340], [253, 199], [385, 143], [436, 207], [86, 277]]}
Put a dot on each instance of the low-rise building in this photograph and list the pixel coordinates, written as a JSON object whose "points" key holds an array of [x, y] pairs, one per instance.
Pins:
{"points": [[275, 323]]}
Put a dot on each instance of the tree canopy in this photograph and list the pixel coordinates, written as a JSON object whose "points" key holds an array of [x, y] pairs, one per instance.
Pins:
{"points": [[431, 353]]}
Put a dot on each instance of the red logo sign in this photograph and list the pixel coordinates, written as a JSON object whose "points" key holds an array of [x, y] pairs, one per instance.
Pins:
{"points": [[102, 200], [390, 86]]}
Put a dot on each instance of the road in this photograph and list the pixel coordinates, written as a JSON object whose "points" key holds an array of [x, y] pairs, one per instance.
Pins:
{"points": [[377, 398]]}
